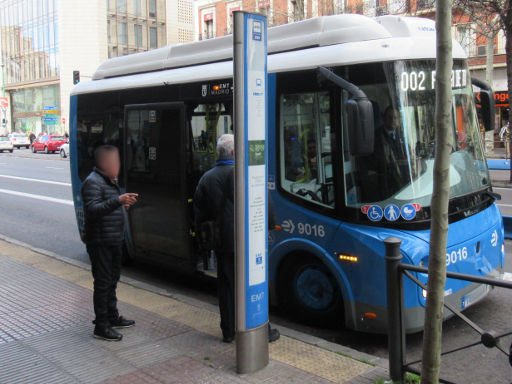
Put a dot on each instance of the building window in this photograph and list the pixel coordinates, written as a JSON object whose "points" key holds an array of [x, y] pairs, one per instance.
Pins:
{"points": [[153, 41], [137, 7], [152, 8], [121, 33], [137, 32], [108, 32], [121, 6]]}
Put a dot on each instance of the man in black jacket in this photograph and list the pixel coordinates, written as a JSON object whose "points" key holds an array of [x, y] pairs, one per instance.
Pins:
{"points": [[214, 202], [104, 236]]}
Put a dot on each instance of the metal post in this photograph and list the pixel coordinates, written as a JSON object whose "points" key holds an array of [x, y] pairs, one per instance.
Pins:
{"points": [[251, 300], [394, 290]]}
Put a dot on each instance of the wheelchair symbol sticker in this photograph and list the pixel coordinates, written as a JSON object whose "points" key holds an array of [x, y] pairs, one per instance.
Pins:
{"points": [[375, 213], [391, 212], [408, 211]]}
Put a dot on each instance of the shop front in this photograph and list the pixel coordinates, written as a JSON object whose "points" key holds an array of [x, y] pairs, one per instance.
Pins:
{"points": [[36, 109]]}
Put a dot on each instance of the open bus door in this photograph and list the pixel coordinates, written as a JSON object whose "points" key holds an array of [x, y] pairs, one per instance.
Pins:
{"points": [[155, 166]]}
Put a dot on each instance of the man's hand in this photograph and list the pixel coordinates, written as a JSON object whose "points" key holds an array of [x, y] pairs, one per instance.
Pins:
{"points": [[128, 199]]}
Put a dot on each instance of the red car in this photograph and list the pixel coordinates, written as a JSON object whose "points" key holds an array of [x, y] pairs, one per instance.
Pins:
{"points": [[48, 143]]}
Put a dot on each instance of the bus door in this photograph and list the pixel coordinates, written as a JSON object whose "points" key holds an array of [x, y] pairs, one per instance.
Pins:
{"points": [[154, 138]]}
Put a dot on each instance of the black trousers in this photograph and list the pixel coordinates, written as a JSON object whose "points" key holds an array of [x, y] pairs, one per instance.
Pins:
{"points": [[226, 292], [106, 271]]}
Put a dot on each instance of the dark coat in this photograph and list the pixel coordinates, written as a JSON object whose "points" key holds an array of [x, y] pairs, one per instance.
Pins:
{"points": [[103, 211], [214, 201]]}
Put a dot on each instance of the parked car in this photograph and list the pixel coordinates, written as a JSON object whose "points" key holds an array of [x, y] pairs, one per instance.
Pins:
{"points": [[64, 150], [5, 144], [19, 140], [48, 143]]}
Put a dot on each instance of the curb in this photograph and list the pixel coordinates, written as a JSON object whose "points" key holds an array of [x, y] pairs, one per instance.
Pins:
{"points": [[309, 339]]}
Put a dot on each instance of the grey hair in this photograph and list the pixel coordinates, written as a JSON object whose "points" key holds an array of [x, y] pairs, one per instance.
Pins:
{"points": [[225, 146]]}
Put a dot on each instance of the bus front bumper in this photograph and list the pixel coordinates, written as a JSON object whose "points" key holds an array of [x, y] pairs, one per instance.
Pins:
{"points": [[415, 316]]}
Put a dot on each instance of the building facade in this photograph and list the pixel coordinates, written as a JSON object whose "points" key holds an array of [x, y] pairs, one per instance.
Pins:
{"points": [[214, 18], [43, 42]]}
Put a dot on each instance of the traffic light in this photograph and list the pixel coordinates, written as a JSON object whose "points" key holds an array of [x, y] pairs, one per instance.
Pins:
{"points": [[76, 77], [4, 123]]}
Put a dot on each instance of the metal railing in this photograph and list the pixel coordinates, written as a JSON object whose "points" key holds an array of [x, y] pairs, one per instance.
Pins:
{"points": [[395, 272]]}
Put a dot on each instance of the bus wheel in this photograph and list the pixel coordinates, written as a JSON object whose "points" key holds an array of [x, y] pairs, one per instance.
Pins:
{"points": [[310, 292]]}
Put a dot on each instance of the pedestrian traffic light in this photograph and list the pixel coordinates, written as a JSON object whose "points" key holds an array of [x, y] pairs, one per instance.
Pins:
{"points": [[4, 123], [76, 77]]}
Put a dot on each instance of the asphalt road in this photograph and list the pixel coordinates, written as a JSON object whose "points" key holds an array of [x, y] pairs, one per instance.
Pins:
{"points": [[36, 208]]}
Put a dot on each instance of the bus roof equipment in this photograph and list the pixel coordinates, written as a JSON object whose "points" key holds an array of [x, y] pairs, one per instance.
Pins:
{"points": [[316, 32]]}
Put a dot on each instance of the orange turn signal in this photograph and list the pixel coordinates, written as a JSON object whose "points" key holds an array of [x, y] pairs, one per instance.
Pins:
{"points": [[277, 227], [350, 258], [370, 315]]}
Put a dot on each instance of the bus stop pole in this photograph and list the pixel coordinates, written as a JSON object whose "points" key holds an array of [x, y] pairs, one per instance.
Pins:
{"points": [[251, 305]]}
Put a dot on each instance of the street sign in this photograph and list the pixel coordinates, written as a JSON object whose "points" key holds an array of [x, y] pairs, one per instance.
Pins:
{"points": [[250, 84], [50, 120], [4, 102]]}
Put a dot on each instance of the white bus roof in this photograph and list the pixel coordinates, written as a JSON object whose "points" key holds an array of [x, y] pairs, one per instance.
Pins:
{"points": [[322, 41]]}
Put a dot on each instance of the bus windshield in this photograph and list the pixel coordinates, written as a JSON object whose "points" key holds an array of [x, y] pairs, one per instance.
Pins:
{"points": [[400, 170]]}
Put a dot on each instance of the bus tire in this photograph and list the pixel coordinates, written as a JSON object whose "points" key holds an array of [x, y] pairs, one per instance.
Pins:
{"points": [[309, 292]]}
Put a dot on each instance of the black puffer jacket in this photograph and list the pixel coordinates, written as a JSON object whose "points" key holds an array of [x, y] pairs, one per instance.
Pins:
{"points": [[213, 201], [103, 212]]}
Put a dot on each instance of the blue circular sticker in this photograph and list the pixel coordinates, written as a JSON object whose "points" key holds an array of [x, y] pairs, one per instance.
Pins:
{"points": [[408, 211], [391, 212], [375, 213]]}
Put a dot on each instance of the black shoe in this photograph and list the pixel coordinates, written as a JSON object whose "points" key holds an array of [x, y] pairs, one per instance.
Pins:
{"points": [[121, 322], [228, 339], [107, 333], [273, 335]]}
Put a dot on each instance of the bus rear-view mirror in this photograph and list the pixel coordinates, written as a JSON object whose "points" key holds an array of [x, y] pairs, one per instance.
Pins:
{"points": [[485, 100], [361, 126]]}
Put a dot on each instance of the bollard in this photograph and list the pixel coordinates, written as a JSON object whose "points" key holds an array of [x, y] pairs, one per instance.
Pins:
{"points": [[394, 291]]}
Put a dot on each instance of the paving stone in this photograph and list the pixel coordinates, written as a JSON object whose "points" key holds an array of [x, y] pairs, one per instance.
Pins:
{"points": [[46, 337]]}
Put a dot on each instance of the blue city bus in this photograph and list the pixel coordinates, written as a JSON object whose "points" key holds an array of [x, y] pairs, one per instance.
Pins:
{"points": [[350, 160]]}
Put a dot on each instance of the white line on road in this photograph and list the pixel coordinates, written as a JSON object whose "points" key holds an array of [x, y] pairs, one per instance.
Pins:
{"points": [[36, 180], [508, 189], [54, 167], [507, 276], [504, 205], [38, 197]]}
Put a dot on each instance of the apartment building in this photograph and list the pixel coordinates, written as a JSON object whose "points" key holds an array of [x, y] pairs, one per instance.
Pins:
{"points": [[43, 42]]}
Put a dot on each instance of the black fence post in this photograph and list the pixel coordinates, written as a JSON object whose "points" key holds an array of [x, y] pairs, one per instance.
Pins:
{"points": [[394, 290]]}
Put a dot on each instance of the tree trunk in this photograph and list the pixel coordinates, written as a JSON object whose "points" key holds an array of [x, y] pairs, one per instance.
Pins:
{"points": [[440, 197], [489, 59], [508, 51]]}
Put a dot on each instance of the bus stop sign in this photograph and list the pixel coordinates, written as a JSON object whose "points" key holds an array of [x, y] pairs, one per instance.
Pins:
{"points": [[250, 83]]}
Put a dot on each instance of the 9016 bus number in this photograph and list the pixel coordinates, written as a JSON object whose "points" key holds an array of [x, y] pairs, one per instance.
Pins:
{"points": [[308, 229], [456, 255]]}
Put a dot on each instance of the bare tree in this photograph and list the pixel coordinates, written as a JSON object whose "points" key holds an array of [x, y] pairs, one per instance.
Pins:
{"points": [[502, 11], [483, 21], [440, 197]]}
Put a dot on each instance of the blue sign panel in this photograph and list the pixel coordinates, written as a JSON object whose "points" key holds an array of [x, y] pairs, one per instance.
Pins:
{"points": [[408, 211], [375, 213], [391, 212], [255, 116]]}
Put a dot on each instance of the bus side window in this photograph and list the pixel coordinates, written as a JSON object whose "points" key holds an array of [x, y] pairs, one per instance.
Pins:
{"points": [[306, 159], [207, 123]]}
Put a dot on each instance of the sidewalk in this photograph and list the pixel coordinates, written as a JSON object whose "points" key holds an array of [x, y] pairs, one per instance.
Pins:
{"points": [[46, 336]]}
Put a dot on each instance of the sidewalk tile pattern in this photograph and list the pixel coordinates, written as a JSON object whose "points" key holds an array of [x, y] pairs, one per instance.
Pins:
{"points": [[45, 337]]}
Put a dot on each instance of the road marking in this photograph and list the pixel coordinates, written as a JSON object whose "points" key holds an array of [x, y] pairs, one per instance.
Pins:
{"points": [[54, 167], [508, 189], [38, 197], [36, 180], [504, 205], [507, 276]]}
